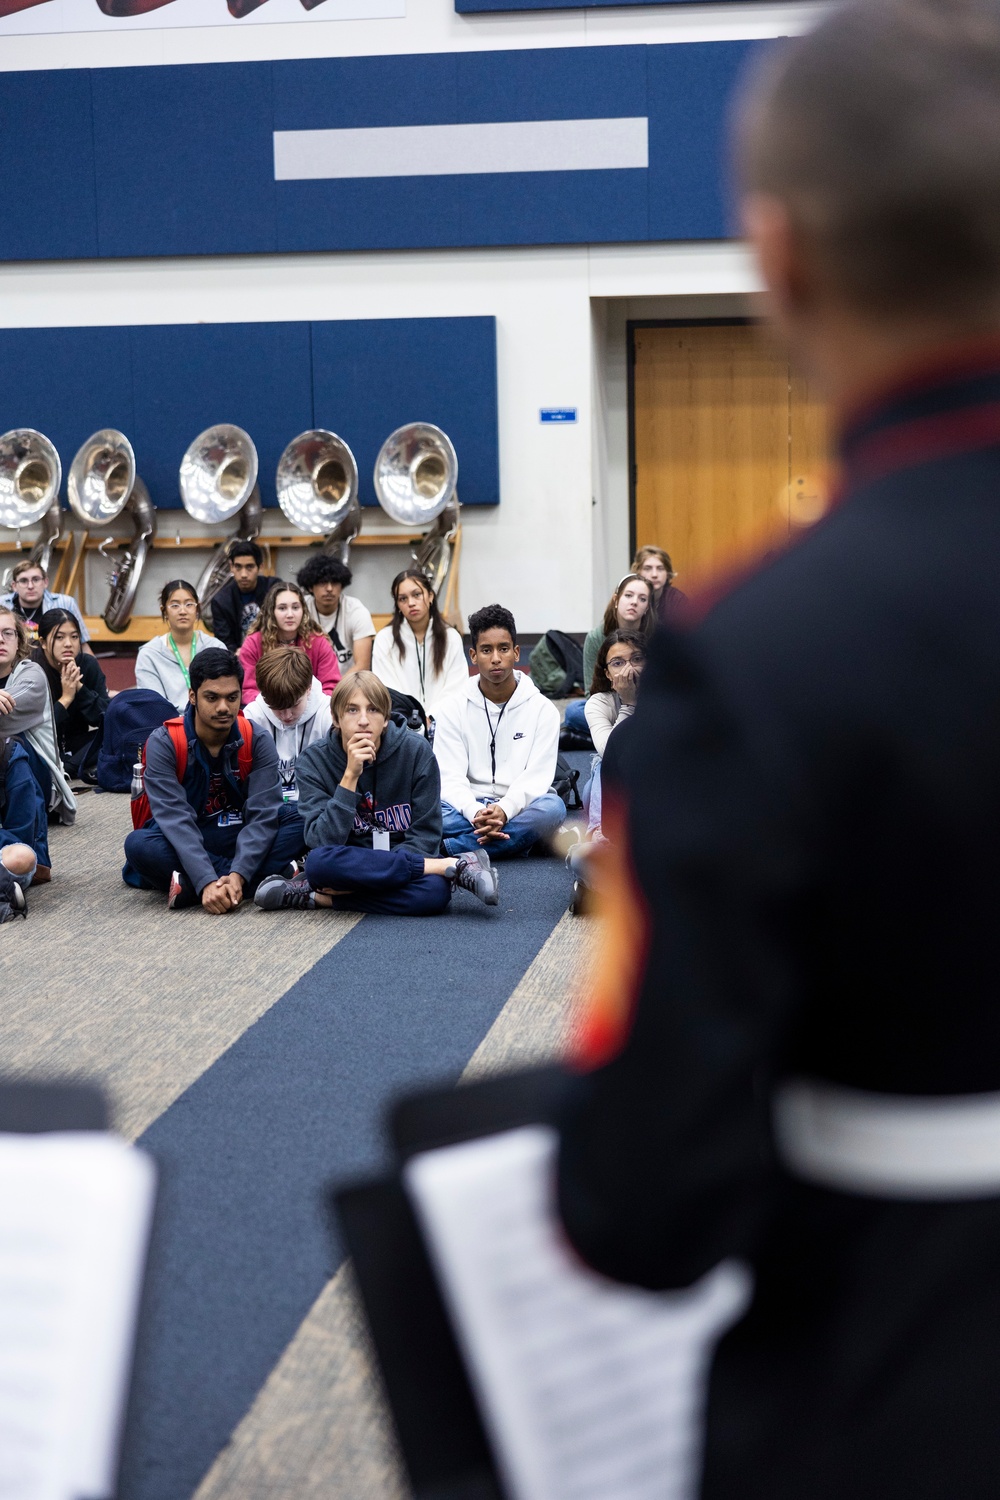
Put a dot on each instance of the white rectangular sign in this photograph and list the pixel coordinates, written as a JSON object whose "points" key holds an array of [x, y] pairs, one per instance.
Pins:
{"points": [[53, 17]]}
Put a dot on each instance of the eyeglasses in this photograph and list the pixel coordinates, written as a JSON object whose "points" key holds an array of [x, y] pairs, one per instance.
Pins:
{"points": [[616, 663], [8, 635]]}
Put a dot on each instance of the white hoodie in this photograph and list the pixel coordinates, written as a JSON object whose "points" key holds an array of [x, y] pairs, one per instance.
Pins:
{"points": [[527, 744], [291, 739]]}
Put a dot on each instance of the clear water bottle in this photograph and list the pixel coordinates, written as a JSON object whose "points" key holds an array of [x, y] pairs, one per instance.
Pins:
{"points": [[137, 780]]}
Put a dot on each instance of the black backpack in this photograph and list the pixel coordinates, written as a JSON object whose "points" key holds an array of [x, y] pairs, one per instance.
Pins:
{"points": [[128, 722], [557, 652], [407, 712], [566, 784]]}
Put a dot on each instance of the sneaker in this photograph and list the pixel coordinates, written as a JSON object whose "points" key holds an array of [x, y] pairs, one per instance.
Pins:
{"points": [[474, 873], [278, 894], [13, 901], [180, 894], [294, 868]]}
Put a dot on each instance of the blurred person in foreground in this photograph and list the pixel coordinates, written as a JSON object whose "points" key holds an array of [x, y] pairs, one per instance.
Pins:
{"points": [[809, 1073]]}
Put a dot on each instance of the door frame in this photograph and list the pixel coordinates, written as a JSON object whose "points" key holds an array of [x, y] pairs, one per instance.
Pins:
{"points": [[630, 327]]}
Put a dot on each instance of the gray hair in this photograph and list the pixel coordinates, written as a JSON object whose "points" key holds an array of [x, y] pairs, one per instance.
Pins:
{"points": [[880, 132]]}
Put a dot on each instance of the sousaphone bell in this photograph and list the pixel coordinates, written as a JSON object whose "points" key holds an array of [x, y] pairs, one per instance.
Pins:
{"points": [[102, 485], [317, 485], [416, 480], [218, 480], [30, 476]]}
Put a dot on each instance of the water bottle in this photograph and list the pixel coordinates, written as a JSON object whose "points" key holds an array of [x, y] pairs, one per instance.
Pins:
{"points": [[137, 780]]}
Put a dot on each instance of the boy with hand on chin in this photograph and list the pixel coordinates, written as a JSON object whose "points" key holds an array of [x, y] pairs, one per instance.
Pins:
{"points": [[370, 799]]}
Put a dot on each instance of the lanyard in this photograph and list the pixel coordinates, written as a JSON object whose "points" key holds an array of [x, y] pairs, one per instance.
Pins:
{"points": [[180, 659], [300, 736], [494, 731], [422, 664]]}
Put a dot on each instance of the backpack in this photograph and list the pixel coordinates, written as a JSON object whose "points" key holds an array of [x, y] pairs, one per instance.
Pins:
{"points": [[556, 664], [129, 720], [141, 810], [407, 712], [566, 785]]}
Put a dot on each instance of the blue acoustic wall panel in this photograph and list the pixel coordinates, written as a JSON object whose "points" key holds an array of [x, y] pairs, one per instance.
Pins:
{"points": [[67, 383], [47, 161], [184, 162], [187, 378], [163, 384], [370, 377]]}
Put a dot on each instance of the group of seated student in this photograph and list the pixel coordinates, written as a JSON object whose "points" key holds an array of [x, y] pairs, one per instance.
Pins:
{"points": [[385, 822], [31, 598]]}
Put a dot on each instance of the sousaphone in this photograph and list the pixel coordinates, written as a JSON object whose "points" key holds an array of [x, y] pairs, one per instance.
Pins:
{"points": [[317, 484], [416, 480], [102, 485], [30, 476], [218, 481]]}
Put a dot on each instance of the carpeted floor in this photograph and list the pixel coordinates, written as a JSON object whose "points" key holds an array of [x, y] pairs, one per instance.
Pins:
{"points": [[253, 1055]]}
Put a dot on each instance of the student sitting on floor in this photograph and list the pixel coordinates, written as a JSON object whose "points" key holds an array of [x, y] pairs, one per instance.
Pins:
{"points": [[218, 823], [31, 597], [342, 618], [163, 664], [653, 564], [292, 708], [79, 692], [417, 653], [370, 799], [613, 691], [24, 846], [237, 605], [26, 711], [284, 620], [629, 608], [497, 745]]}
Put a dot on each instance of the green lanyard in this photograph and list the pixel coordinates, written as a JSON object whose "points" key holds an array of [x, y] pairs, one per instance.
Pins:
{"points": [[180, 659]]}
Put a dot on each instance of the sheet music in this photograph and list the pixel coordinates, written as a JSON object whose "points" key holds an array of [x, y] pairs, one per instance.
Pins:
{"points": [[590, 1390], [75, 1211]]}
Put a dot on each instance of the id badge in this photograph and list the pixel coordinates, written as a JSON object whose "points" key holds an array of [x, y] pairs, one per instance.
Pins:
{"points": [[380, 839], [291, 794], [230, 819]]}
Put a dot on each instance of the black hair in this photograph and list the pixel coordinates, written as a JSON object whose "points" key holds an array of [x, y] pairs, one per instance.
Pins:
{"points": [[53, 618], [601, 682], [323, 568], [491, 617], [244, 547], [216, 661], [171, 587], [438, 629]]}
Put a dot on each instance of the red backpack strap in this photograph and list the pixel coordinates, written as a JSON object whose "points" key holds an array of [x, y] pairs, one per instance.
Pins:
{"points": [[177, 732], [244, 758]]}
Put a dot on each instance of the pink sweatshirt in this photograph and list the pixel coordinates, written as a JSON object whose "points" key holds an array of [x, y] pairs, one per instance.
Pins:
{"points": [[322, 655]]}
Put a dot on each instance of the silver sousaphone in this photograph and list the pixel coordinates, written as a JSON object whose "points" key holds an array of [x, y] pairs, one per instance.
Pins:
{"points": [[218, 481], [416, 479], [102, 485], [30, 476], [317, 484]]}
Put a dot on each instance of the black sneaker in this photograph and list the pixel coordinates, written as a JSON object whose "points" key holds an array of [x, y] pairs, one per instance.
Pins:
{"points": [[278, 894], [180, 894], [13, 901], [474, 873]]}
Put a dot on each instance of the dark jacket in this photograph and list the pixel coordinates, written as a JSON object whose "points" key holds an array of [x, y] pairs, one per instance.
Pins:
{"points": [[400, 791], [231, 617], [74, 724], [177, 807], [813, 786], [22, 807]]}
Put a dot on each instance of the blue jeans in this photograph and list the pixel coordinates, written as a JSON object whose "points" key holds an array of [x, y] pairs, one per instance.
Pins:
{"points": [[575, 717], [539, 820], [390, 882], [150, 857]]}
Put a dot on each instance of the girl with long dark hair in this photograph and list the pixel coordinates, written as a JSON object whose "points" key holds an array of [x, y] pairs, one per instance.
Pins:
{"points": [[417, 653], [164, 664], [284, 620]]}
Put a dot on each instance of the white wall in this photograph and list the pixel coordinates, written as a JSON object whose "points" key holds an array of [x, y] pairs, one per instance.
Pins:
{"points": [[559, 539]]}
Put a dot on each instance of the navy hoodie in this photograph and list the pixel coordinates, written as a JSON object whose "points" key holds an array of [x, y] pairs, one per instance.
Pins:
{"points": [[400, 791]]}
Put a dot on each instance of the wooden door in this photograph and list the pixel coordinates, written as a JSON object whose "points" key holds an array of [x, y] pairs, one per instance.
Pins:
{"points": [[729, 446]]}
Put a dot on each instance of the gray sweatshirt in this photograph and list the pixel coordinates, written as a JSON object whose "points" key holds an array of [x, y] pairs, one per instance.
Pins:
{"points": [[33, 717], [404, 782]]}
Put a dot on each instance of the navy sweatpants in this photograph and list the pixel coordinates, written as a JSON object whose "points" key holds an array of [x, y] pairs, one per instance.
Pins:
{"points": [[151, 858], [388, 881]]}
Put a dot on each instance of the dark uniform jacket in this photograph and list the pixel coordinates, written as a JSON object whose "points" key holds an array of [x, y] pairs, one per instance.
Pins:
{"points": [[813, 787]]}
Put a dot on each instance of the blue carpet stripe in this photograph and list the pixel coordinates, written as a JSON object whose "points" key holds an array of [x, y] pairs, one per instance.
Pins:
{"points": [[242, 1246]]}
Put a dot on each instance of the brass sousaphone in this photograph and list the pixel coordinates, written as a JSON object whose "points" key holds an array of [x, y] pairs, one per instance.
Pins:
{"points": [[102, 485], [30, 476], [218, 481], [416, 479], [317, 485]]}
